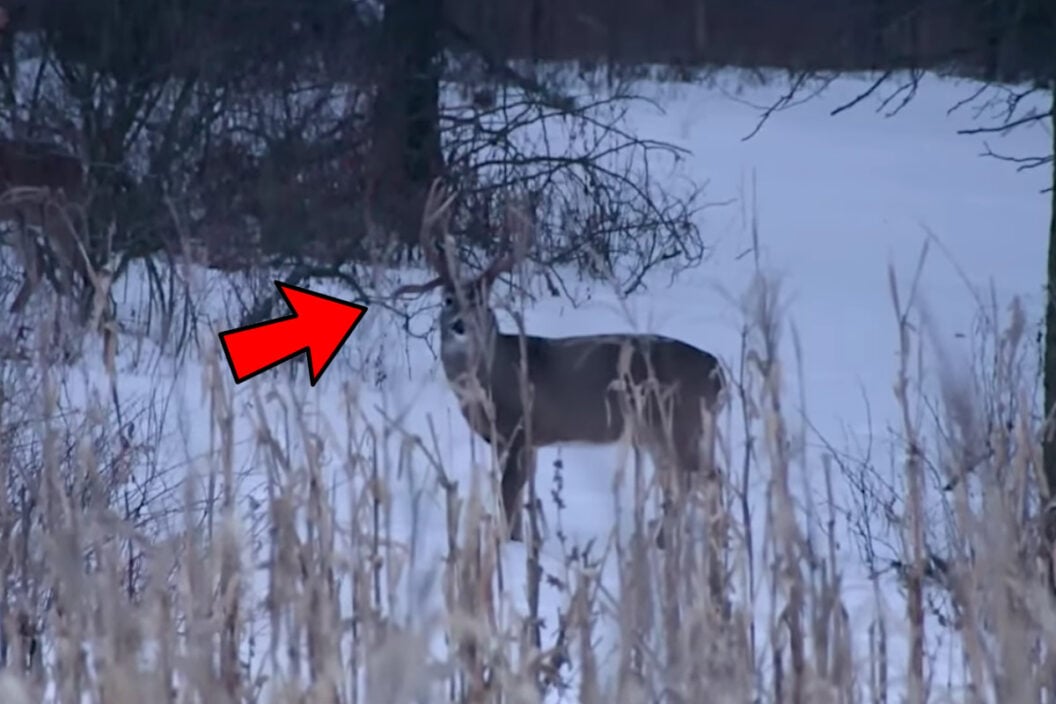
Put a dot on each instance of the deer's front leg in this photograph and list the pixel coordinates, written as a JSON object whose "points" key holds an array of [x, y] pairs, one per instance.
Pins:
{"points": [[514, 477]]}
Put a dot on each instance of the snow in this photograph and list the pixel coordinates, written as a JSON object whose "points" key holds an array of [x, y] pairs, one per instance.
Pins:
{"points": [[836, 200]]}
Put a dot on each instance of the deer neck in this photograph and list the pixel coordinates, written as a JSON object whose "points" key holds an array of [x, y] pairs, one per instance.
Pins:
{"points": [[465, 361]]}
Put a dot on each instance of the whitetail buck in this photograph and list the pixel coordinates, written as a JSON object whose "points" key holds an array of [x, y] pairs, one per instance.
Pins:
{"points": [[520, 392], [43, 190]]}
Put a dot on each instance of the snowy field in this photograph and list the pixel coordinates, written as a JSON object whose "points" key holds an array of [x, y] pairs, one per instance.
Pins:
{"points": [[835, 200]]}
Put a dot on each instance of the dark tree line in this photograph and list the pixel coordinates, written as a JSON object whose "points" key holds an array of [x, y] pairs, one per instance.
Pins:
{"points": [[995, 39]]}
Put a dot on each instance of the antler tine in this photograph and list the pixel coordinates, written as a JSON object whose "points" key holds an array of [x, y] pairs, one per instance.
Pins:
{"points": [[435, 211], [517, 222], [417, 288]]}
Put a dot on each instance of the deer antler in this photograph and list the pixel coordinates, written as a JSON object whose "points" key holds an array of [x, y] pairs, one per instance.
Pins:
{"points": [[441, 257], [436, 216], [436, 211], [518, 238]]}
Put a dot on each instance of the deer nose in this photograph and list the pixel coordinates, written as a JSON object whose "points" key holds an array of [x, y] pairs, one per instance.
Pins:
{"points": [[458, 327]]}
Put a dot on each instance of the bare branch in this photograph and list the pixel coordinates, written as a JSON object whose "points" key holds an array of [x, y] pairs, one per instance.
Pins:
{"points": [[864, 94], [1007, 126]]}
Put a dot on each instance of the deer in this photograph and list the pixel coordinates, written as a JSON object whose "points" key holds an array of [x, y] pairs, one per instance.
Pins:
{"points": [[521, 392], [42, 189]]}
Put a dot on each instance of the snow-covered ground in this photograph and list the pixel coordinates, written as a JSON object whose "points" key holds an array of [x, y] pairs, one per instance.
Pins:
{"points": [[836, 199]]}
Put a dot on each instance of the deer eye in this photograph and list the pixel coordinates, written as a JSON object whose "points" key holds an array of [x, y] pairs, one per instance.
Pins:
{"points": [[449, 300]]}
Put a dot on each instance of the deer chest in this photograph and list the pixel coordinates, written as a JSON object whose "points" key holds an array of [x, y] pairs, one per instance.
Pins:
{"points": [[487, 411]]}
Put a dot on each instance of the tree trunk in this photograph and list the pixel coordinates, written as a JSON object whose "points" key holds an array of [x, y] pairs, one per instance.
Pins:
{"points": [[405, 153]]}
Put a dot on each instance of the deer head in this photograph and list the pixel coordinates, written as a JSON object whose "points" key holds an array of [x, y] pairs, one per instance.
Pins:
{"points": [[468, 324]]}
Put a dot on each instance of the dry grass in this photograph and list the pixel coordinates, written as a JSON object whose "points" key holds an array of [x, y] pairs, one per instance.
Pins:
{"points": [[290, 576]]}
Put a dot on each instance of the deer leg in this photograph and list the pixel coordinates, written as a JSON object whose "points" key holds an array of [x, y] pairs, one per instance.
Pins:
{"points": [[665, 469], [666, 511], [683, 454], [514, 477], [713, 508]]}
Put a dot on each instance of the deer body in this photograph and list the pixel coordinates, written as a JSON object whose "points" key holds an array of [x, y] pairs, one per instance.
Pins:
{"points": [[521, 392], [577, 395]]}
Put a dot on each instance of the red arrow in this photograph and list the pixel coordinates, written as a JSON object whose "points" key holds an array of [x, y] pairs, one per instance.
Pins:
{"points": [[319, 326]]}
